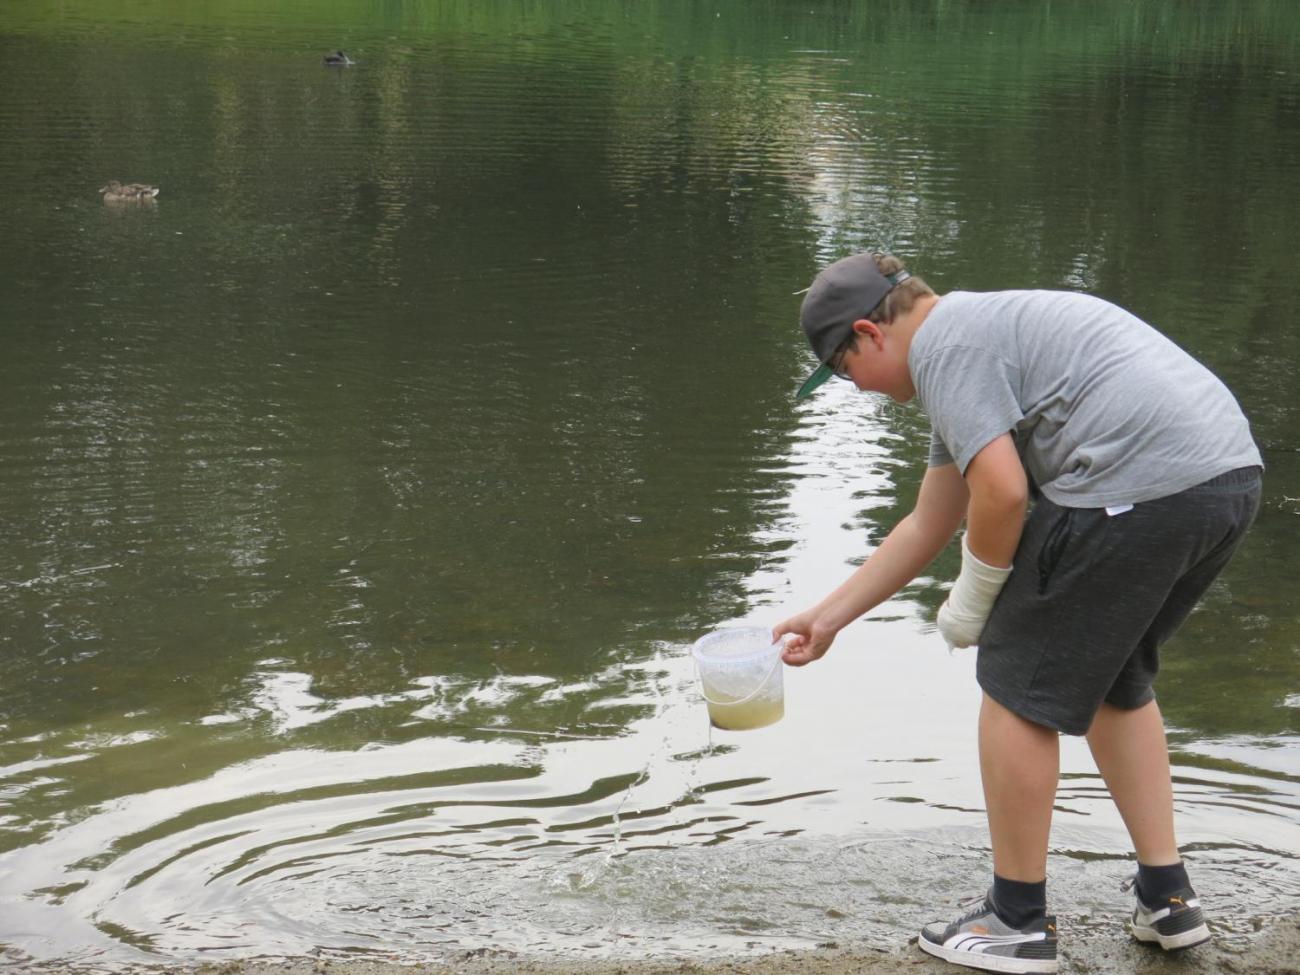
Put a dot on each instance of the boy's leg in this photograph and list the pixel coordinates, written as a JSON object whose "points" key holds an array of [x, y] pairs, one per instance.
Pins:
{"points": [[1019, 765], [1010, 931], [1130, 751], [1127, 734]]}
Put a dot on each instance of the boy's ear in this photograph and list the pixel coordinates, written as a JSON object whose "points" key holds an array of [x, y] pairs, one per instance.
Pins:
{"points": [[865, 328]]}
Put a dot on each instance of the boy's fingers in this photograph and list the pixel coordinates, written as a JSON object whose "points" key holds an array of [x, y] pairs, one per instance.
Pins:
{"points": [[794, 650]]}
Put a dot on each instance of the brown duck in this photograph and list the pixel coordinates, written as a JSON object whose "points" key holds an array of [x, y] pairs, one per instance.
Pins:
{"points": [[116, 192]]}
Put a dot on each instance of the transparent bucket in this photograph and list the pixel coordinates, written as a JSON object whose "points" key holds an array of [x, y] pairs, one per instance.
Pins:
{"points": [[741, 677]]}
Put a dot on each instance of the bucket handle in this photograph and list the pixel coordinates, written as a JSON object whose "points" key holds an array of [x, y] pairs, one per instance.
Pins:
{"points": [[748, 697]]}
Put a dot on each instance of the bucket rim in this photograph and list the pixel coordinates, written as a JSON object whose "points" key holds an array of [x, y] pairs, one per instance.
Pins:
{"points": [[766, 649]]}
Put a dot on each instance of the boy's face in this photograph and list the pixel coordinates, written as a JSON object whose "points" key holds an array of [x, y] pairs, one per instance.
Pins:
{"points": [[878, 363]]}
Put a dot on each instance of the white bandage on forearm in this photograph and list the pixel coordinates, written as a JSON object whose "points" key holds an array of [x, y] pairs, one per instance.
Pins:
{"points": [[962, 617]]}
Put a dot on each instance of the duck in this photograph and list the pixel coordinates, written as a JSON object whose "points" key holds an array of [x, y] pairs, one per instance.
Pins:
{"points": [[339, 58], [116, 192]]}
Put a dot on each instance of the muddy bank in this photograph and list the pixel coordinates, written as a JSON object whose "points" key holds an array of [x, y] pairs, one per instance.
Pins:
{"points": [[1273, 951]]}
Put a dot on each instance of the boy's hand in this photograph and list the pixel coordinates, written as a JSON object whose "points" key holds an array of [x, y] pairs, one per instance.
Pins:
{"points": [[806, 639], [957, 629], [963, 615]]}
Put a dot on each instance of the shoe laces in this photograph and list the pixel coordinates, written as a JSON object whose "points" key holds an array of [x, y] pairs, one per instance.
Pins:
{"points": [[1131, 883], [972, 906]]}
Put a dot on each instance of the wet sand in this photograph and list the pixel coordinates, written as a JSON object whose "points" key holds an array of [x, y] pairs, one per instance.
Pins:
{"points": [[1275, 950]]}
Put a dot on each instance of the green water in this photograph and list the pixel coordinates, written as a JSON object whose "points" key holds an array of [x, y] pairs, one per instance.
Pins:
{"points": [[361, 496]]}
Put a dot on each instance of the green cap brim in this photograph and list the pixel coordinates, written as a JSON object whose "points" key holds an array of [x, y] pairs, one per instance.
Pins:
{"points": [[819, 376]]}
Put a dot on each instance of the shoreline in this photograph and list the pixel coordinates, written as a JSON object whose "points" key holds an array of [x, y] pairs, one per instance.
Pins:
{"points": [[1274, 950]]}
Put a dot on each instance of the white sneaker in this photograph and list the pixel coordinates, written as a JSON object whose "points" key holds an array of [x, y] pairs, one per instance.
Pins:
{"points": [[979, 939], [1175, 923]]}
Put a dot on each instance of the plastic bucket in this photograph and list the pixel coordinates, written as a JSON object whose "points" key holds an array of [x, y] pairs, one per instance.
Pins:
{"points": [[741, 677]]}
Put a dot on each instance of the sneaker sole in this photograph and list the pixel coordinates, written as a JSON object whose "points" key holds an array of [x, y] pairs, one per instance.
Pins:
{"points": [[1172, 942], [989, 963]]}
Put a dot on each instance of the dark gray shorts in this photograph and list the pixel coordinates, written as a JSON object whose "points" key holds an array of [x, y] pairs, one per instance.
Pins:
{"points": [[1092, 597]]}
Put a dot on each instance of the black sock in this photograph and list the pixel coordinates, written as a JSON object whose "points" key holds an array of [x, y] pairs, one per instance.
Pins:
{"points": [[1017, 903], [1156, 884]]}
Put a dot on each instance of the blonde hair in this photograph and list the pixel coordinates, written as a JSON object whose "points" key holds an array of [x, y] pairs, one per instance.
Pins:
{"points": [[900, 300]]}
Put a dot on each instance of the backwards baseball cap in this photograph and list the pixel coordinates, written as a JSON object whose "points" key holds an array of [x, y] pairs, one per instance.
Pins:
{"points": [[846, 291]]}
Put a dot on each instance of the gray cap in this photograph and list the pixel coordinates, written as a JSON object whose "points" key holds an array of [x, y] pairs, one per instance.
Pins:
{"points": [[846, 291]]}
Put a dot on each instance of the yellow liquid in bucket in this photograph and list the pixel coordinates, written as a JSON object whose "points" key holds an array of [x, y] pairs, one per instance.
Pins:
{"points": [[758, 713], [740, 675]]}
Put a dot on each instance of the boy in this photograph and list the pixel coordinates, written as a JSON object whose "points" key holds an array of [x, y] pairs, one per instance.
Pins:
{"points": [[1143, 478]]}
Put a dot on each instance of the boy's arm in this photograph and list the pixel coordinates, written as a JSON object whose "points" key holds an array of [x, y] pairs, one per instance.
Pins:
{"points": [[999, 495], [909, 548]]}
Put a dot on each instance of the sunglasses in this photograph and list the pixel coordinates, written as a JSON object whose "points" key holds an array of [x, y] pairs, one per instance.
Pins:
{"points": [[836, 362]]}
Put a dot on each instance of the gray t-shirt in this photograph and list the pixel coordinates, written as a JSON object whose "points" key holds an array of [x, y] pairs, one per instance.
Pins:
{"points": [[1105, 410]]}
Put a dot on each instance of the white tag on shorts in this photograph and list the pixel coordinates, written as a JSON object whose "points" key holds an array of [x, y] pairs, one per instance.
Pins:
{"points": [[1118, 509]]}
